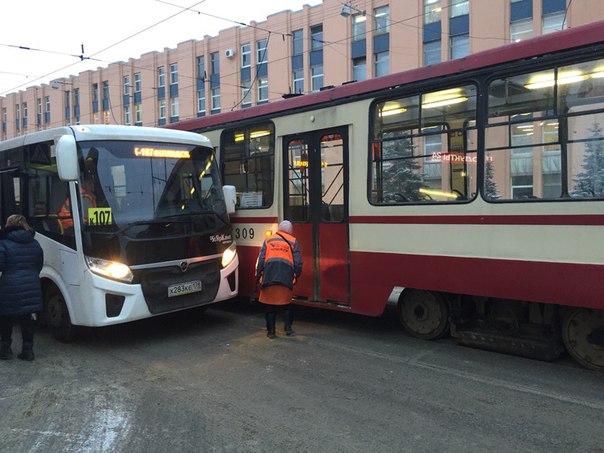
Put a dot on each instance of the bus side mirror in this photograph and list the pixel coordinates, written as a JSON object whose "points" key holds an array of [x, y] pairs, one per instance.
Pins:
{"points": [[230, 198], [67, 158]]}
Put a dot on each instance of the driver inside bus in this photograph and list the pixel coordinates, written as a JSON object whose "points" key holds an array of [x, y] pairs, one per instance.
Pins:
{"points": [[87, 191], [88, 201]]}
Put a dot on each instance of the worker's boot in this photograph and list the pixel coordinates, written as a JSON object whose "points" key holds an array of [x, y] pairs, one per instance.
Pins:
{"points": [[27, 353], [5, 350]]}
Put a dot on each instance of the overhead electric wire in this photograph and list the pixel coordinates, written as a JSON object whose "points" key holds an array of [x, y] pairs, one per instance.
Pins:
{"points": [[103, 50]]}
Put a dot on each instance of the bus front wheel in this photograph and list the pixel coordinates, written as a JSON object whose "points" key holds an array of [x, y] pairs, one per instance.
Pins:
{"points": [[583, 337], [424, 314], [57, 316]]}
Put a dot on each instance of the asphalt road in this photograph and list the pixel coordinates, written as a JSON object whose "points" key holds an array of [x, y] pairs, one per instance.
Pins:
{"points": [[213, 382]]}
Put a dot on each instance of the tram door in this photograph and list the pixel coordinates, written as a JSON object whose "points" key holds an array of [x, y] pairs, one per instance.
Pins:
{"points": [[316, 201]]}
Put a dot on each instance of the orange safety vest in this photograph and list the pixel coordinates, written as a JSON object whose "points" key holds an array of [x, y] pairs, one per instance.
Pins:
{"points": [[278, 265], [64, 213]]}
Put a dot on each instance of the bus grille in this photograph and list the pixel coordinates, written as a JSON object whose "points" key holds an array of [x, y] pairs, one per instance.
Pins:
{"points": [[155, 283]]}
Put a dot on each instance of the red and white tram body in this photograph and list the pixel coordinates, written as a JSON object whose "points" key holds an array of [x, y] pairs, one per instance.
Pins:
{"points": [[469, 193]]}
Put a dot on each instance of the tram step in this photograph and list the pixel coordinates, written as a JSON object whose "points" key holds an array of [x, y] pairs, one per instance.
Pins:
{"points": [[541, 348]]}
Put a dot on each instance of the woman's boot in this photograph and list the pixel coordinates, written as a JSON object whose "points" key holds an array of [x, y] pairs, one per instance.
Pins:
{"points": [[27, 353], [5, 350]]}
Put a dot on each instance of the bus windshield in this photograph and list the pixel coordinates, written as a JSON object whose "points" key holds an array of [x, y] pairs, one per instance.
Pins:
{"points": [[129, 182]]}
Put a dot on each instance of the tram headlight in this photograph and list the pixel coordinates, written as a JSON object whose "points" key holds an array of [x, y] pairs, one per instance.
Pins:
{"points": [[229, 255], [111, 269]]}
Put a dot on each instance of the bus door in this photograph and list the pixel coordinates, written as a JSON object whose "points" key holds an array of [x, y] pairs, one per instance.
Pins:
{"points": [[316, 202], [9, 198]]}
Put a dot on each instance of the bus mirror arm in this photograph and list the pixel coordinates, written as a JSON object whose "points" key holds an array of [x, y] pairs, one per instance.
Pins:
{"points": [[230, 198], [67, 158]]}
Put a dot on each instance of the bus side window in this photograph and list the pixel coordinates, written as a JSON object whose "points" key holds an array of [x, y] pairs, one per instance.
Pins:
{"points": [[47, 195]]}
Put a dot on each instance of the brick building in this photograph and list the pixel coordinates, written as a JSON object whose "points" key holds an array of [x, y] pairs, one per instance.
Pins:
{"points": [[291, 52]]}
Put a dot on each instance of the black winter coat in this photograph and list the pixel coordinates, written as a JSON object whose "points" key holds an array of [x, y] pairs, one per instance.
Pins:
{"points": [[21, 260]]}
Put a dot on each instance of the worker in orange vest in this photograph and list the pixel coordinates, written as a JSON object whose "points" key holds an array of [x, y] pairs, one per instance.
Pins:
{"points": [[279, 267], [88, 201]]}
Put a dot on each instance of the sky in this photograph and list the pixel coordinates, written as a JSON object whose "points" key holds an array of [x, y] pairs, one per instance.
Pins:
{"points": [[42, 40]]}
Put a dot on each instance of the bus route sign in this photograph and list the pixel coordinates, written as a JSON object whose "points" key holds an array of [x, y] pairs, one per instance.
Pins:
{"points": [[99, 216]]}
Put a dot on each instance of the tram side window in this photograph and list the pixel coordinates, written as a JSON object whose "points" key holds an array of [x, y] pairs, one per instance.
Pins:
{"points": [[582, 99], [248, 164], [423, 148], [544, 135]]}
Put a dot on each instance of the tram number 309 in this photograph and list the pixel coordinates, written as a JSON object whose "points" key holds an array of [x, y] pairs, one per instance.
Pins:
{"points": [[244, 233]]}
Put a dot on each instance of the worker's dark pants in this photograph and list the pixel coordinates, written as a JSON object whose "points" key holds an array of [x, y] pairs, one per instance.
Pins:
{"points": [[271, 312]]}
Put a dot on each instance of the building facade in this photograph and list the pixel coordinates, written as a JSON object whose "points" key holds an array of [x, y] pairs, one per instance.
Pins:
{"points": [[289, 53]]}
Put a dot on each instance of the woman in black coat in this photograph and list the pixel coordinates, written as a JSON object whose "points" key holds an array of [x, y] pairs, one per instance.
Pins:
{"points": [[21, 260]]}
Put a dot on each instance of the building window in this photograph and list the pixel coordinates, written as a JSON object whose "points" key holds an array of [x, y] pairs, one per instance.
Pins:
{"points": [[246, 93], [201, 68], [460, 46], [39, 112], [174, 110], [138, 84], [261, 51], [215, 63], [127, 85], [382, 63], [432, 54], [246, 55], [382, 20], [127, 115], [297, 42], [106, 90], [359, 23], [521, 30], [298, 81], [138, 114], [432, 9], [95, 92], [24, 109], [17, 116], [553, 22], [215, 100], [201, 102], [359, 68], [173, 73], [316, 77], [262, 89], [162, 109], [316, 34], [459, 8], [76, 105], [67, 105], [161, 76]]}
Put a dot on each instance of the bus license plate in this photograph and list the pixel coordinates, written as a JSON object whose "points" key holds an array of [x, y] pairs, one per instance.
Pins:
{"points": [[184, 288]]}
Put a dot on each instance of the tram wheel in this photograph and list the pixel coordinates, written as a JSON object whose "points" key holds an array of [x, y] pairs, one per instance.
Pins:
{"points": [[583, 336], [424, 314], [57, 316]]}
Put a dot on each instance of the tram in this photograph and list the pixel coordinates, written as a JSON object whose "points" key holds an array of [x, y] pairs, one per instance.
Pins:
{"points": [[468, 194]]}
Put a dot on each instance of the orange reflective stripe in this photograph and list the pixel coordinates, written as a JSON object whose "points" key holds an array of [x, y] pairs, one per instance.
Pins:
{"points": [[65, 215]]}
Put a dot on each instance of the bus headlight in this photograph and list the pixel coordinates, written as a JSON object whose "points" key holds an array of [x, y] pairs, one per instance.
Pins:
{"points": [[229, 255], [111, 269]]}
